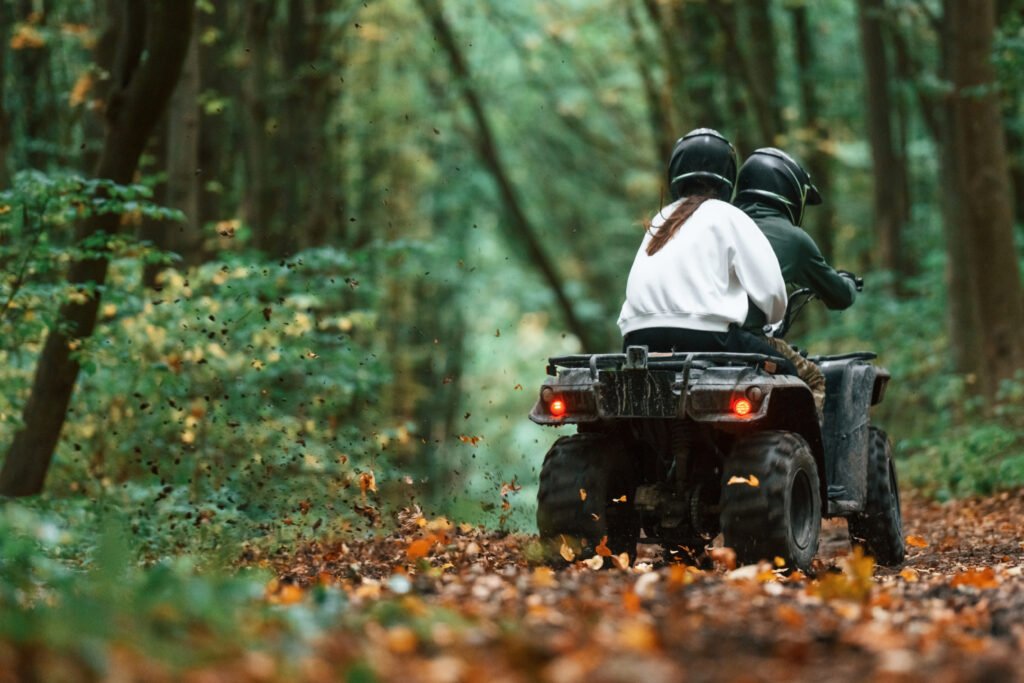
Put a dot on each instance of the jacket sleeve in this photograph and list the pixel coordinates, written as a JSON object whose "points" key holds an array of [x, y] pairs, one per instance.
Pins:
{"points": [[757, 269], [836, 291]]}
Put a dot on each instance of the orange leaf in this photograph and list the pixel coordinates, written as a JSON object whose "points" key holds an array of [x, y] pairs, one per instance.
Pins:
{"points": [[725, 557], [620, 499], [583, 494], [976, 578], [602, 548], [567, 553], [26, 37], [419, 548], [367, 482], [471, 440], [595, 562], [621, 560], [917, 542], [80, 91], [749, 481]]}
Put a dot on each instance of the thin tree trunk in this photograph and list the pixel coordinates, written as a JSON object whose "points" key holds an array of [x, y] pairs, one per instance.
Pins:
{"points": [[662, 134], [759, 80], [523, 230], [982, 191], [5, 119], [891, 201], [31, 67], [259, 202], [822, 218], [151, 50], [183, 172]]}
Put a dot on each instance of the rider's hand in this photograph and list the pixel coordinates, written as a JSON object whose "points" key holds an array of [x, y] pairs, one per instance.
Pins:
{"points": [[858, 282]]}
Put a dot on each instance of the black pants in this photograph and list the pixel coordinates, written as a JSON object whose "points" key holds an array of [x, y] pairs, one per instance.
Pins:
{"points": [[681, 340]]}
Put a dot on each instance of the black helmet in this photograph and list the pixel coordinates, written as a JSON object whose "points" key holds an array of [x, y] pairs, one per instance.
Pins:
{"points": [[770, 175], [703, 156]]}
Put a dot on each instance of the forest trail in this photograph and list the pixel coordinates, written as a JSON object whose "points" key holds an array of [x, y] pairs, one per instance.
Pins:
{"points": [[437, 602]]}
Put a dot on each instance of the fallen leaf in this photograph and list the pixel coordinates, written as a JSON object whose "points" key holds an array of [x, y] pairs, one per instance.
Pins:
{"points": [[917, 542], [621, 560], [418, 549], [909, 575], [567, 553], [976, 578], [724, 557]]}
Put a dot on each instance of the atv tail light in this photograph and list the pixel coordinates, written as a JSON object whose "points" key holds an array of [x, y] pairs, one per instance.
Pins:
{"points": [[741, 407], [557, 407]]}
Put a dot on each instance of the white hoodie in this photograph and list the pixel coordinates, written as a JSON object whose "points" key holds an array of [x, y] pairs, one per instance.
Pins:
{"points": [[701, 278]]}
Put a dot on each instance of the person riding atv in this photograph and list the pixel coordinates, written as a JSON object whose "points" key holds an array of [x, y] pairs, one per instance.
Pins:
{"points": [[774, 189]]}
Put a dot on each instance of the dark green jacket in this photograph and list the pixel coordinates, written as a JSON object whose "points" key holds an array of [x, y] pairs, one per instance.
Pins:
{"points": [[801, 261]]}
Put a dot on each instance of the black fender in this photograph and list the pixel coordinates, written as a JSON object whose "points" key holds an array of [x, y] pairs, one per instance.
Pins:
{"points": [[852, 386]]}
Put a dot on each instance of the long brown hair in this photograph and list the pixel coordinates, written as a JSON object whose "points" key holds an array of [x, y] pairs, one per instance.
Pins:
{"points": [[675, 221]]}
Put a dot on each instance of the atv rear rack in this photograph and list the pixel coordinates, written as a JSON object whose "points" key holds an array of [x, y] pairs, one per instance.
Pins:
{"points": [[638, 358]]}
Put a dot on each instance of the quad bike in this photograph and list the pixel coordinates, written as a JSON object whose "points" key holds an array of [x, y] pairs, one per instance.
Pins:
{"points": [[679, 447]]}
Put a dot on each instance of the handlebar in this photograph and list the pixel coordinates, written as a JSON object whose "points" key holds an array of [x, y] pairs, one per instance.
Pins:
{"points": [[799, 299]]}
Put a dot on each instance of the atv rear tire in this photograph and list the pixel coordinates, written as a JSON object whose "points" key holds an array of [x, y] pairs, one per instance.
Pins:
{"points": [[779, 513], [880, 527], [587, 489]]}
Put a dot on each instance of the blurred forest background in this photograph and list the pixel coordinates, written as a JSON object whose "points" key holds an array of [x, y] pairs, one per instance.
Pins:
{"points": [[302, 262]]}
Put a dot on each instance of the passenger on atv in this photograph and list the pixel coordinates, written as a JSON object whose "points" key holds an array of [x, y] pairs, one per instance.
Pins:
{"points": [[702, 262], [774, 189]]}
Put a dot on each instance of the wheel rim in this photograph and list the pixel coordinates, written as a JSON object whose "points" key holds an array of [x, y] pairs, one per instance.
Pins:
{"points": [[801, 511]]}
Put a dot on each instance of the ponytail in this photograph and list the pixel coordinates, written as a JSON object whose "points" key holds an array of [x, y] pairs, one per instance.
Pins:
{"points": [[675, 221]]}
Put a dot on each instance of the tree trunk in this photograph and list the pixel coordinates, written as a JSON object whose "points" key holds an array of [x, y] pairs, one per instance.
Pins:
{"points": [[891, 202], [983, 236], [5, 119], [151, 49], [31, 69], [522, 230], [663, 135], [820, 221], [755, 63], [183, 172], [259, 202]]}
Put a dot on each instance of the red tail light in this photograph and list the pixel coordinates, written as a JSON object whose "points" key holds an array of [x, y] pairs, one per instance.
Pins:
{"points": [[557, 407], [741, 407]]}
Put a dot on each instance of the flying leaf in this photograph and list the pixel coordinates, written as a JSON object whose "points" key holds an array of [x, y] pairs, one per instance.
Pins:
{"points": [[367, 482], [621, 560], [602, 548], [620, 499], [583, 494], [81, 89], [594, 563], [749, 481]]}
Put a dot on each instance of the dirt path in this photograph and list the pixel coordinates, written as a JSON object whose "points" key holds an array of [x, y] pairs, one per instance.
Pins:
{"points": [[442, 603]]}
